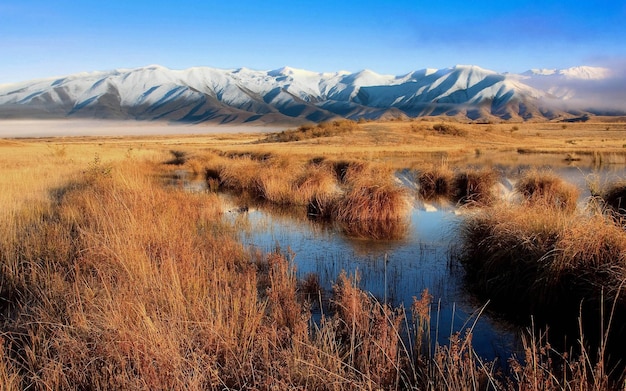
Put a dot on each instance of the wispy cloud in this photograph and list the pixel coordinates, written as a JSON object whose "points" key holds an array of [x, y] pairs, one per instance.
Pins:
{"points": [[601, 95]]}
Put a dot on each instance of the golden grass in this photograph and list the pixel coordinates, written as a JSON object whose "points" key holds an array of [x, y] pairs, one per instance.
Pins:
{"points": [[546, 188], [538, 258], [475, 186], [372, 202], [614, 196], [119, 282], [435, 181]]}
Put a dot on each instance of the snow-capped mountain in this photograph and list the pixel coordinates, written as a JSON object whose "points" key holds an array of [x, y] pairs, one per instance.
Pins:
{"points": [[290, 95]]}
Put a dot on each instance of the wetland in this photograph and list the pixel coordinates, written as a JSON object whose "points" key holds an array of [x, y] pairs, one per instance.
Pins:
{"points": [[391, 255]]}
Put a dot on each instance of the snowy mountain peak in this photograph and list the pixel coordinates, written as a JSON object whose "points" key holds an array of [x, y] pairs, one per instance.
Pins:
{"points": [[471, 68], [289, 71]]}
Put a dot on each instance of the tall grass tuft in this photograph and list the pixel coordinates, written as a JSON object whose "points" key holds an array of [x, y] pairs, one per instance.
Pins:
{"points": [[316, 184], [435, 182], [238, 174], [372, 202], [348, 171], [543, 260], [370, 332], [546, 188], [475, 186], [614, 196]]}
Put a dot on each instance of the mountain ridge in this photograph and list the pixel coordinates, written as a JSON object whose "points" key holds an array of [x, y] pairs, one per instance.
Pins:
{"points": [[292, 95]]}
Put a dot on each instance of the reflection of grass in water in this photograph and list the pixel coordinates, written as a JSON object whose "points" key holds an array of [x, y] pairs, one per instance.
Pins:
{"points": [[377, 230]]}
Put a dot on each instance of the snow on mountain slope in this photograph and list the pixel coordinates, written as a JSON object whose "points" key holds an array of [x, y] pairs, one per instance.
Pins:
{"points": [[288, 94]]}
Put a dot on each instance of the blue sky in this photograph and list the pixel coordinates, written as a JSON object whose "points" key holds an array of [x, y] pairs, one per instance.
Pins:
{"points": [[51, 38]]}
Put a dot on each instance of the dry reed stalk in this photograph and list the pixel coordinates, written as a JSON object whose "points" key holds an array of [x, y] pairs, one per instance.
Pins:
{"points": [[372, 331]]}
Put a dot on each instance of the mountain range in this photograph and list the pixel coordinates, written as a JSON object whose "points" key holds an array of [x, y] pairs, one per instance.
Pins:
{"points": [[289, 95]]}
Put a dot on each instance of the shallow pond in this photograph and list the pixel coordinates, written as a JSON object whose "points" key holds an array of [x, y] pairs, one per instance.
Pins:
{"points": [[395, 271]]}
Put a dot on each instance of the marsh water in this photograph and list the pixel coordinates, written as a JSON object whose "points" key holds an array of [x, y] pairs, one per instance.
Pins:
{"points": [[396, 271], [393, 271]]}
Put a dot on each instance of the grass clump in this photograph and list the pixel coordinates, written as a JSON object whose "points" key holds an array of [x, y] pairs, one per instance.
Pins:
{"points": [[475, 186], [544, 261], [305, 132], [546, 188], [449, 129], [372, 202], [238, 174], [614, 196], [435, 182], [315, 185], [348, 171]]}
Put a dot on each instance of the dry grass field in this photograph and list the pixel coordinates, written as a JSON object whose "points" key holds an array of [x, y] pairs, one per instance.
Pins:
{"points": [[111, 279]]}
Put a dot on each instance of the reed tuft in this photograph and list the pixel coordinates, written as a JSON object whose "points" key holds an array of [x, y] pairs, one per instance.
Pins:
{"points": [[546, 188]]}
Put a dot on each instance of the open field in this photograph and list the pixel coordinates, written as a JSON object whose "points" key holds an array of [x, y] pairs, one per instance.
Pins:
{"points": [[391, 140], [111, 279]]}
